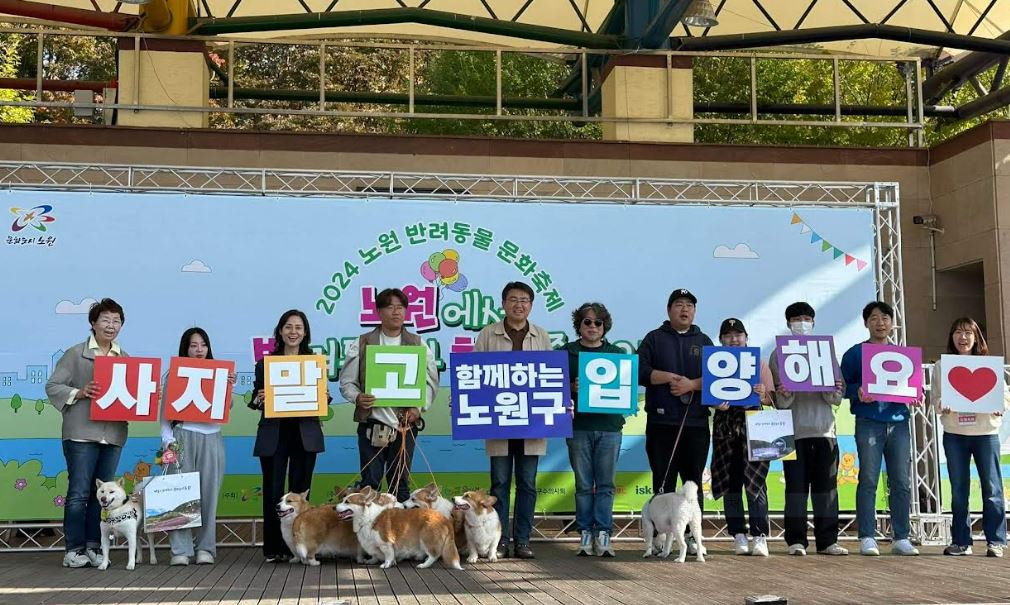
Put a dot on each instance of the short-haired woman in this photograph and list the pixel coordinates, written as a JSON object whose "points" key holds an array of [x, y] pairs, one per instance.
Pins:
{"points": [[595, 444], [91, 447]]}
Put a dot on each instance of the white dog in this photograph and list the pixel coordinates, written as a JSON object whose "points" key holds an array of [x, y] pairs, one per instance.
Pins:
{"points": [[123, 516], [670, 514]]}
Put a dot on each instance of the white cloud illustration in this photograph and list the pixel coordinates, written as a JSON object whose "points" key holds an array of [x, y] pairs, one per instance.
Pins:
{"points": [[739, 251], [196, 266], [69, 307]]}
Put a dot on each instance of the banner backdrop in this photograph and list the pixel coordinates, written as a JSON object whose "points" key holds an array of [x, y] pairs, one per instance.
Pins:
{"points": [[232, 265]]}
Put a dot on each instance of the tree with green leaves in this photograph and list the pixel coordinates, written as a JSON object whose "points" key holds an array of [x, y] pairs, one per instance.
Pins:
{"points": [[40, 406], [16, 403]]}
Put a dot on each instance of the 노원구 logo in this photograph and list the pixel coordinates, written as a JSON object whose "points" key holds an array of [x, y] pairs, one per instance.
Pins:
{"points": [[30, 224], [36, 217]]}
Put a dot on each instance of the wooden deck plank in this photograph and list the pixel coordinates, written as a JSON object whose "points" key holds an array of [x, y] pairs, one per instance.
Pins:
{"points": [[231, 591], [229, 564], [556, 577], [271, 594]]}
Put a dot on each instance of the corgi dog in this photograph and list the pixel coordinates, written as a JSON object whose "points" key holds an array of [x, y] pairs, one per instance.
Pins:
{"points": [[395, 534], [123, 516], [480, 524], [311, 531], [670, 514], [431, 497]]}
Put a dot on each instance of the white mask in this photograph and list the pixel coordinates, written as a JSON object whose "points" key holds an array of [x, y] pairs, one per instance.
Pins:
{"points": [[801, 328]]}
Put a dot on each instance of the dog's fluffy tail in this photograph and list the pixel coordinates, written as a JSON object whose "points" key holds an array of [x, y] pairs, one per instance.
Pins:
{"points": [[689, 489], [450, 554]]}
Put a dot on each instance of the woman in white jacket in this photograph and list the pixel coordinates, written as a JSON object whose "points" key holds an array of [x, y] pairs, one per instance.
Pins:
{"points": [[968, 435]]}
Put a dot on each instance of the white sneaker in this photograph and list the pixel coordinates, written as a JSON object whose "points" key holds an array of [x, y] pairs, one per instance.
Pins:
{"points": [[835, 550], [603, 547], [585, 545], [75, 559], [868, 547], [740, 545], [179, 561], [904, 548], [204, 558], [760, 547], [94, 557], [797, 550]]}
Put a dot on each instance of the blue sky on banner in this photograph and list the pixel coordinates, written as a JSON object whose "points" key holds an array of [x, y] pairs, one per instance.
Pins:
{"points": [[233, 264]]}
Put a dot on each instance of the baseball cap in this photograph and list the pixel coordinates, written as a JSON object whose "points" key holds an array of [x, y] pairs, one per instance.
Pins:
{"points": [[682, 293], [731, 325]]}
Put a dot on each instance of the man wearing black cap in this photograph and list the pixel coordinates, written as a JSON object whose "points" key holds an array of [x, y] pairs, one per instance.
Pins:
{"points": [[670, 370]]}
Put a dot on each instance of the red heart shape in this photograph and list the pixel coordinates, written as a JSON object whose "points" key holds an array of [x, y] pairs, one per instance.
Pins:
{"points": [[972, 384]]}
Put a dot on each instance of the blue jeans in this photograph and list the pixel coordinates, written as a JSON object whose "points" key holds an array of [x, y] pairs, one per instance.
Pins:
{"points": [[526, 490], [593, 455], [959, 450], [892, 442], [86, 461]]}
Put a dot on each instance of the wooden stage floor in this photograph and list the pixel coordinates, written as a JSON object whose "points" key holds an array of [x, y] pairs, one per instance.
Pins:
{"points": [[556, 577]]}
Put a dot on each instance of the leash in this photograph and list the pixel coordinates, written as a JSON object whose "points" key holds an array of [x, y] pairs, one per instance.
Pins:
{"points": [[676, 442]]}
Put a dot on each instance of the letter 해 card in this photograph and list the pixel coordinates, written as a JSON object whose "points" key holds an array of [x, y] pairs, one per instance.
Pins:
{"points": [[892, 373], [396, 375], [510, 395], [198, 390], [807, 364], [128, 389], [608, 383], [729, 375]]}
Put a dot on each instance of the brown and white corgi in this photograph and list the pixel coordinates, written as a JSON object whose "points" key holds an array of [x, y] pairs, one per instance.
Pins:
{"points": [[311, 531], [396, 534], [481, 525], [431, 497]]}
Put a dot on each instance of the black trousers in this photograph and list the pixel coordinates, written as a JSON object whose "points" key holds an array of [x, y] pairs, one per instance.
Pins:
{"points": [[814, 473], [290, 460], [377, 463], [688, 461]]}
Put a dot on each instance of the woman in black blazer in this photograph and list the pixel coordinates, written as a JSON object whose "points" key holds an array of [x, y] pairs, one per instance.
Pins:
{"points": [[285, 446]]}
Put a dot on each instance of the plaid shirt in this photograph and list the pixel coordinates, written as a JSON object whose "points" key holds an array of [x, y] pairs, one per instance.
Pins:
{"points": [[729, 438]]}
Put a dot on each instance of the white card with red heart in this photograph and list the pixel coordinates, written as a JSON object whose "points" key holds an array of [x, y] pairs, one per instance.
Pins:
{"points": [[971, 383]]}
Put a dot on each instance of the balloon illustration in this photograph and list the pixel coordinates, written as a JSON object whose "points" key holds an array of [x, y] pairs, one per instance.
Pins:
{"points": [[443, 269]]}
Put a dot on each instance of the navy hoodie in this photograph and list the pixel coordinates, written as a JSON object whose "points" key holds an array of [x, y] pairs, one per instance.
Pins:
{"points": [[666, 350]]}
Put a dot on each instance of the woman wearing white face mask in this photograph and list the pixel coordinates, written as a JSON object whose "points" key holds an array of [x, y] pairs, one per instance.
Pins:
{"points": [[814, 472]]}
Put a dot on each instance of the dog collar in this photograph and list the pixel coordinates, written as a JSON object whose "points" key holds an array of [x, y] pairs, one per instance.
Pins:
{"points": [[114, 520]]}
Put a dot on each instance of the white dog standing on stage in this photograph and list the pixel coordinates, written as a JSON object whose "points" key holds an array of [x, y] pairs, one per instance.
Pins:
{"points": [[671, 514], [124, 517]]}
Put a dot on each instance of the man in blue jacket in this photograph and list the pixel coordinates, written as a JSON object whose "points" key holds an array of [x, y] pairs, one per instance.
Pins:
{"points": [[670, 370], [881, 432]]}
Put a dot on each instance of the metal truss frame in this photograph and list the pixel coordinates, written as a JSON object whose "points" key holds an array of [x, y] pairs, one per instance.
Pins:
{"points": [[881, 197]]}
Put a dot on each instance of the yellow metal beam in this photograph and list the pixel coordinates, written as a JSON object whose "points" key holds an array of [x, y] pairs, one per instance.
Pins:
{"points": [[167, 16]]}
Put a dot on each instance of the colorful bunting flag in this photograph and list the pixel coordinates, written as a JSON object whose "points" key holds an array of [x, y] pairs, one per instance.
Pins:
{"points": [[836, 252]]}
